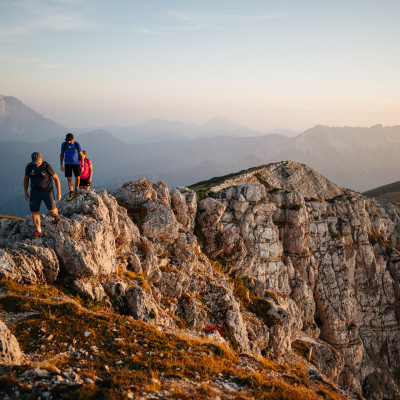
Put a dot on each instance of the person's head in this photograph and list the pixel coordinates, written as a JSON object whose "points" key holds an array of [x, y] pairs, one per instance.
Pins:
{"points": [[84, 154], [69, 137], [36, 158]]}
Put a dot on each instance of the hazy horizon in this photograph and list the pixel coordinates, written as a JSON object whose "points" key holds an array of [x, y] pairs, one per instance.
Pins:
{"points": [[262, 64]]}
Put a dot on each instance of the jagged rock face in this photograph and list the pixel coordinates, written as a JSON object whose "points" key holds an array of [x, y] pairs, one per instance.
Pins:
{"points": [[239, 228], [295, 268], [325, 357], [338, 261], [10, 352], [183, 278], [354, 288]]}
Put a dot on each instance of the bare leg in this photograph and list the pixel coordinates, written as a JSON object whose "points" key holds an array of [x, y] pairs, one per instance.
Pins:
{"points": [[54, 211], [36, 220], [70, 186], [77, 180]]}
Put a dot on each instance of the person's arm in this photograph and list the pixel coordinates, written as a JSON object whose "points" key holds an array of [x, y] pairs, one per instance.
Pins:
{"points": [[91, 172], [81, 159], [58, 186], [62, 161], [26, 184]]}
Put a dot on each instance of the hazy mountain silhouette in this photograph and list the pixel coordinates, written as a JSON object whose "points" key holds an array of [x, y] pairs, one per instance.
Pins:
{"points": [[357, 158], [157, 130], [19, 122]]}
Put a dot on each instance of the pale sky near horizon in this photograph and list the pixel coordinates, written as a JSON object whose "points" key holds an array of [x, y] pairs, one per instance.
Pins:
{"points": [[260, 63]]}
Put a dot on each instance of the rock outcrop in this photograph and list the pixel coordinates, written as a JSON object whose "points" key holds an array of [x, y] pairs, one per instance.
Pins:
{"points": [[10, 352], [289, 175], [297, 263]]}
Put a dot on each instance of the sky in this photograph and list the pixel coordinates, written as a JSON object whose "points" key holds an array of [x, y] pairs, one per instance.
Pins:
{"points": [[260, 63]]}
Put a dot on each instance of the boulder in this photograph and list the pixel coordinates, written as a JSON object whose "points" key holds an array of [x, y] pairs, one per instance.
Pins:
{"points": [[10, 353], [28, 263]]}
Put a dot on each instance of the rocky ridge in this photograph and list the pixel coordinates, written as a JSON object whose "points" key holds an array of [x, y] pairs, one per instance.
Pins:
{"points": [[287, 175], [267, 270]]}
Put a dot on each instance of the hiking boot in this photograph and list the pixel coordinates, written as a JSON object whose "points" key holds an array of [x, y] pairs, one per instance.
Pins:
{"points": [[38, 233], [76, 193], [71, 196], [57, 218]]}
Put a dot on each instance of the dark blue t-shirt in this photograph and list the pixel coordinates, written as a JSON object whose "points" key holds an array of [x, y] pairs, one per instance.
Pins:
{"points": [[41, 177], [71, 152]]}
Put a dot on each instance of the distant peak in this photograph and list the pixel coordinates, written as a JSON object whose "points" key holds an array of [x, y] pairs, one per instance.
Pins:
{"points": [[218, 118], [100, 134], [220, 122]]}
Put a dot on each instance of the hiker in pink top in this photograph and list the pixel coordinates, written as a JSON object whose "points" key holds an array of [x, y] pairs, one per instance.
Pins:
{"points": [[86, 172]]}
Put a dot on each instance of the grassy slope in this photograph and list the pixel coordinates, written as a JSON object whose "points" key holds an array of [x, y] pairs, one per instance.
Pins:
{"points": [[389, 192], [175, 364]]}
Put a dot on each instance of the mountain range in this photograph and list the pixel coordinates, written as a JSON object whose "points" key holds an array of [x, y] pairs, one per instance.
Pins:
{"points": [[182, 154]]}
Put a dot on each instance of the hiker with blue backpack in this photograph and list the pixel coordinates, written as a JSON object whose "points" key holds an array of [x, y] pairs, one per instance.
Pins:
{"points": [[71, 152]]}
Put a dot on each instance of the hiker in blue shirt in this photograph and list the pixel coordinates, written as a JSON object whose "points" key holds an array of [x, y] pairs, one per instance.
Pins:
{"points": [[72, 152]]}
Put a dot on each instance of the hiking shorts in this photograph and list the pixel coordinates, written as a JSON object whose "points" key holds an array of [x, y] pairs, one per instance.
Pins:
{"points": [[36, 197], [84, 182], [72, 167]]}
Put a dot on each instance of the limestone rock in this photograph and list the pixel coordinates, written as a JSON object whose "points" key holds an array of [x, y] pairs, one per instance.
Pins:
{"points": [[337, 261], [116, 288], [160, 223], [28, 263], [88, 249], [163, 195], [216, 337], [184, 205], [380, 386], [141, 305], [150, 262], [103, 209], [135, 193], [89, 289], [325, 357], [195, 312], [92, 230], [134, 264], [222, 303], [10, 352]]}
